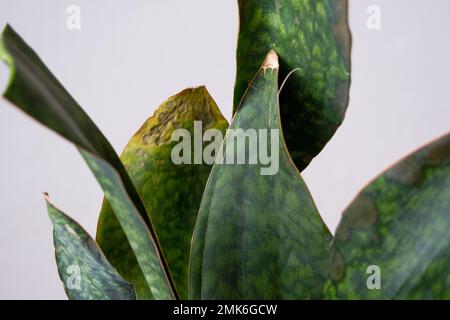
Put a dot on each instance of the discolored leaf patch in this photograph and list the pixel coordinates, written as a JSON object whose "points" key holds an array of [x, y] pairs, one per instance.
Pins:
{"points": [[171, 192]]}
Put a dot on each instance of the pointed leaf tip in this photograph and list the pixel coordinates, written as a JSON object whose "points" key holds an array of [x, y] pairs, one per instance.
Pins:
{"points": [[271, 61]]}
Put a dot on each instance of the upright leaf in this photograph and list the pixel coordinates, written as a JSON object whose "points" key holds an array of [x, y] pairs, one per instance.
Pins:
{"points": [[258, 234], [394, 239], [171, 192], [82, 267], [34, 89], [311, 35]]}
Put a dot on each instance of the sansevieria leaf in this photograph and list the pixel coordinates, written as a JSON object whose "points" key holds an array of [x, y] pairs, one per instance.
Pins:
{"points": [[394, 239], [258, 234], [82, 267], [34, 89], [311, 37], [171, 192]]}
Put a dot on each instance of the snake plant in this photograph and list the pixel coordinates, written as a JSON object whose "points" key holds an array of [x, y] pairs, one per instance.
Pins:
{"points": [[209, 230]]}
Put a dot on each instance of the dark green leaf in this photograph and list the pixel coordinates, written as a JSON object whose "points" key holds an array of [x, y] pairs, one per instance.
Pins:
{"points": [[258, 236], [171, 193], [34, 89], [82, 267], [312, 35], [399, 223]]}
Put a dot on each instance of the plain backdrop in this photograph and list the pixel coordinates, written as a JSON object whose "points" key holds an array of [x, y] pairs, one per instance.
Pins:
{"points": [[129, 56]]}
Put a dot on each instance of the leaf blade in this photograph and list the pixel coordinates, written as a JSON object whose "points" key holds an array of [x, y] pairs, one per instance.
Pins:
{"points": [[400, 222], [74, 248], [171, 193], [267, 240], [35, 90], [313, 38]]}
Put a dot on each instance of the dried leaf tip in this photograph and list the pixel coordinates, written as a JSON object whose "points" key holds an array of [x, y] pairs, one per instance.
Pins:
{"points": [[271, 61], [47, 200]]}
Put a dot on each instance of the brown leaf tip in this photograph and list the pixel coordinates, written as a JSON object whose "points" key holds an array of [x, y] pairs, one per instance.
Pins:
{"points": [[46, 197], [271, 61]]}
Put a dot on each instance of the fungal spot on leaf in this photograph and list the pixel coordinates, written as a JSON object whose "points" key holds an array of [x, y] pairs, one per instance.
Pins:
{"points": [[337, 266], [139, 152], [150, 139], [439, 155], [361, 214], [406, 172]]}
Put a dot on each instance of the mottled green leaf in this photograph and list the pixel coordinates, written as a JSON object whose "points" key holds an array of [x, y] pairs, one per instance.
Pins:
{"points": [[258, 236], [82, 267], [34, 89], [399, 223], [311, 35], [171, 193]]}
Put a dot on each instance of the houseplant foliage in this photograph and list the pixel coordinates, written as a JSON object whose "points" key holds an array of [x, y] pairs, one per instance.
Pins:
{"points": [[258, 221], [147, 159], [74, 247], [401, 223], [313, 40], [253, 236]]}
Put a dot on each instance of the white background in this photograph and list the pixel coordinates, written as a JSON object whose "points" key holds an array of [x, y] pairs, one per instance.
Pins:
{"points": [[129, 56]]}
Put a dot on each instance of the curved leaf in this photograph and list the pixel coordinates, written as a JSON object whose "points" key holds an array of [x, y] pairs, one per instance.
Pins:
{"points": [[258, 236], [398, 228], [34, 89], [82, 267], [171, 193], [311, 35]]}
